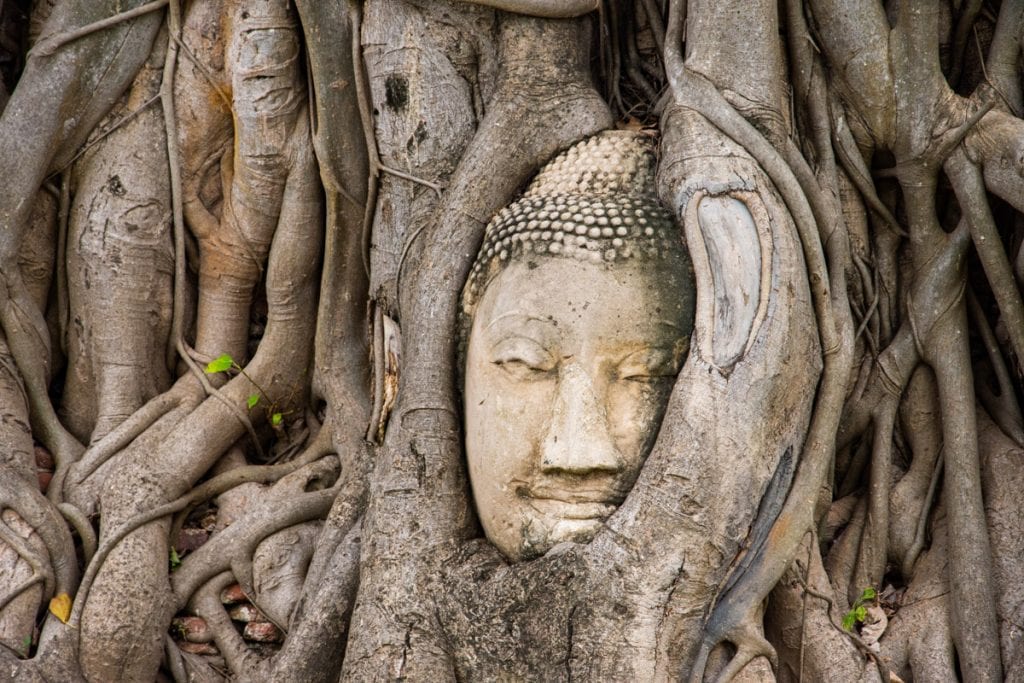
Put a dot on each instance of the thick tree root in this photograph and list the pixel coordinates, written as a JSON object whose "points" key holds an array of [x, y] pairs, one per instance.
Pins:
{"points": [[802, 619], [278, 370], [424, 427], [47, 522], [234, 547], [739, 604]]}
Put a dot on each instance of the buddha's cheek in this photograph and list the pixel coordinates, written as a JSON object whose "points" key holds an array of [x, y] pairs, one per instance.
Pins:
{"points": [[635, 410], [503, 427]]}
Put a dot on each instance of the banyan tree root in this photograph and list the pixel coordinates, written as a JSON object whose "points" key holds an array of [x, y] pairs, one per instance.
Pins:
{"points": [[270, 180], [119, 266], [24, 564], [86, 77], [913, 494], [341, 139], [254, 551], [734, 617], [919, 640], [278, 371], [37, 555], [803, 621], [28, 566], [271, 143], [252, 531], [1001, 474], [263, 99], [405, 49], [281, 507], [956, 133], [26, 509], [544, 86], [231, 260]]}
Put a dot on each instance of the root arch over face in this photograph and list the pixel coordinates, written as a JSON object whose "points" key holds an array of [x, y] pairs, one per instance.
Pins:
{"points": [[235, 234]]}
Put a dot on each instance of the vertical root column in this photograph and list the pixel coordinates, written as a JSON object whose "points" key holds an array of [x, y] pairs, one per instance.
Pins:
{"points": [[268, 99]]}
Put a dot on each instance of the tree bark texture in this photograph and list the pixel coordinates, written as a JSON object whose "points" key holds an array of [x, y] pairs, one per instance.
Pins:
{"points": [[234, 235]]}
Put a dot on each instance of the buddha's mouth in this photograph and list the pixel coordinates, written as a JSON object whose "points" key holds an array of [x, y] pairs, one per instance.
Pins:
{"points": [[562, 503], [559, 509]]}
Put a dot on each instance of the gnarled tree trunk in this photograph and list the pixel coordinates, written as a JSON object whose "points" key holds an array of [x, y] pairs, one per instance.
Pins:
{"points": [[233, 239]]}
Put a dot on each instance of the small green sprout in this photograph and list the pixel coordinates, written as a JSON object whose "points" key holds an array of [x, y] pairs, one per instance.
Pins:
{"points": [[174, 559], [221, 363], [225, 362], [859, 612]]}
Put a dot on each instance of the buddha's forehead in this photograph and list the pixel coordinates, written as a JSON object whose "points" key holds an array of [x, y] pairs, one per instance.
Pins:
{"points": [[634, 300], [551, 278]]}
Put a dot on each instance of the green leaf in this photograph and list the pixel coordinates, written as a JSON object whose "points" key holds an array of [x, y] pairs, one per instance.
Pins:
{"points": [[848, 621], [275, 419], [220, 364], [861, 613], [252, 401], [175, 560], [868, 594]]}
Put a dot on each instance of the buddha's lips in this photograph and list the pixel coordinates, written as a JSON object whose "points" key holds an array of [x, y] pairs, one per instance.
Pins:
{"points": [[559, 509], [569, 503]]}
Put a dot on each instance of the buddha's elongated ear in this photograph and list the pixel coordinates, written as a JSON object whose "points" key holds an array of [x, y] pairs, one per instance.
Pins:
{"points": [[731, 248], [740, 407]]}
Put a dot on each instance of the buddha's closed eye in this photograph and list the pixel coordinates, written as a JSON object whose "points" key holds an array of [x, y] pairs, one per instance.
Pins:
{"points": [[524, 359], [649, 366]]}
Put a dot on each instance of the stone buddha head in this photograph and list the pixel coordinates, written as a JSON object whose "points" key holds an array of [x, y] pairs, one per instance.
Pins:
{"points": [[577, 318]]}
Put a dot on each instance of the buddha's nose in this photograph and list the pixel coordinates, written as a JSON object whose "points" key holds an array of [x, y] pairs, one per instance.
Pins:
{"points": [[578, 440]]}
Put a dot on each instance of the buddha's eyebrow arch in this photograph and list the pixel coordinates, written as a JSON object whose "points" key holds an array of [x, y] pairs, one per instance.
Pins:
{"points": [[526, 316]]}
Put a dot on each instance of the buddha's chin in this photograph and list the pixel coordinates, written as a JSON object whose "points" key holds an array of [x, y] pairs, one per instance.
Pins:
{"points": [[575, 530], [538, 539]]}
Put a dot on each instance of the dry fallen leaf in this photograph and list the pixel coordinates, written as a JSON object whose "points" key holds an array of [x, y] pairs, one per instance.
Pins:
{"points": [[874, 626], [60, 605]]}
